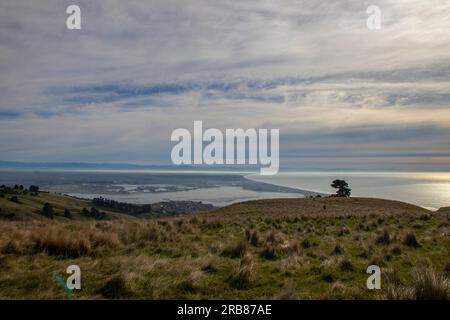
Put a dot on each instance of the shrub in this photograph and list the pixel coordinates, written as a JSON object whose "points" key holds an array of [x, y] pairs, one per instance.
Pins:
{"points": [[114, 288], [396, 250], [384, 238], [7, 216], [15, 199], [67, 214], [305, 244], [343, 231], [268, 252], [271, 238], [10, 247], [252, 237], [338, 249], [235, 251], [327, 278], [346, 265], [179, 223], [291, 247], [410, 240]]}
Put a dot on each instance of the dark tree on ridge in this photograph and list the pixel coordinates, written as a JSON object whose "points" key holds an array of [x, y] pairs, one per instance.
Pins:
{"points": [[342, 188], [47, 210]]}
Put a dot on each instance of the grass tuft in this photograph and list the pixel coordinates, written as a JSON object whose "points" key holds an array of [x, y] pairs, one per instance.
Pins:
{"points": [[114, 288], [410, 240], [338, 249], [430, 285], [191, 283], [252, 237], [346, 265], [242, 278], [384, 238], [237, 250], [56, 242]]}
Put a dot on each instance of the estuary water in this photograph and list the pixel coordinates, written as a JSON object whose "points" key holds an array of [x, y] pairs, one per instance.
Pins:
{"points": [[429, 190]]}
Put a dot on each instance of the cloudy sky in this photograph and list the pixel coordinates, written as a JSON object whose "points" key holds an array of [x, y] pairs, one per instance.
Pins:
{"points": [[343, 96]]}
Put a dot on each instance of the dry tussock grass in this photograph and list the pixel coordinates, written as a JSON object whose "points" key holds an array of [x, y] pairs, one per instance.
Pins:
{"points": [[243, 276], [193, 256], [428, 285], [236, 250]]}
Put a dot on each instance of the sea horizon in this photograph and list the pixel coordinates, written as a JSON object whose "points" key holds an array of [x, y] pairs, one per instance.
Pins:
{"points": [[425, 189]]}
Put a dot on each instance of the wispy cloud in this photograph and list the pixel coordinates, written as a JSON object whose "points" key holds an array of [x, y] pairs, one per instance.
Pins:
{"points": [[114, 90]]}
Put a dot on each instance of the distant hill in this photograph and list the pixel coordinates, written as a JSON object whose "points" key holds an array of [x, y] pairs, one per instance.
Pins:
{"points": [[29, 206]]}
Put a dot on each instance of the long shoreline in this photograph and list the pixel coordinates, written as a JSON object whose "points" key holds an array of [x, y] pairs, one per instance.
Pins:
{"points": [[217, 188], [426, 190]]}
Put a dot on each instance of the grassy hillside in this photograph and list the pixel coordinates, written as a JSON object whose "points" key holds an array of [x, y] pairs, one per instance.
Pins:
{"points": [[30, 206], [269, 249]]}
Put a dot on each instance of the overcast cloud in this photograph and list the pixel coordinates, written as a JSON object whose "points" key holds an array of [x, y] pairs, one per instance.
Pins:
{"points": [[342, 95]]}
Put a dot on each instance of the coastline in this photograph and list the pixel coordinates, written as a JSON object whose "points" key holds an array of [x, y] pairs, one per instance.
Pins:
{"points": [[429, 190], [219, 189]]}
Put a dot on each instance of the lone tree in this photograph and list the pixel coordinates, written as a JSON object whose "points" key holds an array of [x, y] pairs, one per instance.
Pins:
{"points": [[342, 188], [47, 210], [67, 214]]}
